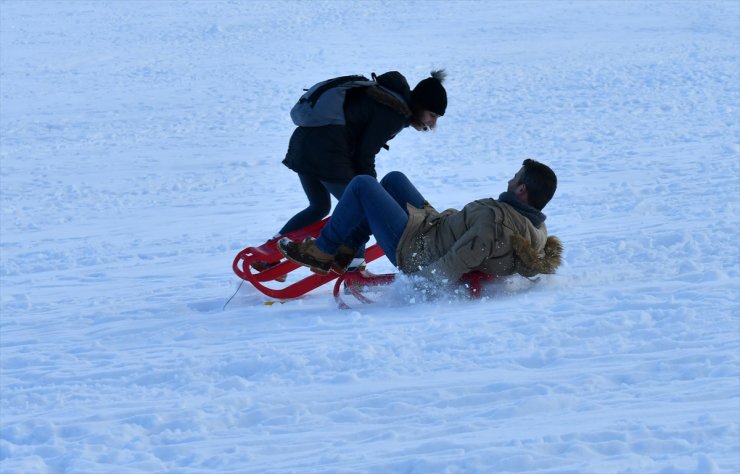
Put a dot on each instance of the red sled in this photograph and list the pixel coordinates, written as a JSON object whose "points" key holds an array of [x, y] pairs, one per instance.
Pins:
{"points": [[269, 253], [353, 282]]}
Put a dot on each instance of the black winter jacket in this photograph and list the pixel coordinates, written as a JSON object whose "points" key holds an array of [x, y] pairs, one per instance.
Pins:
{"points": [[340, 152]]}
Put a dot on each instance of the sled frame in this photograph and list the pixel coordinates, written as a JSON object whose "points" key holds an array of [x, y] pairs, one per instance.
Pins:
{"points": [[268, 252]]}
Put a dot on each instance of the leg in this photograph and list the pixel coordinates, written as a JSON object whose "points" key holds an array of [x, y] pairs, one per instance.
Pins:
{"points": [[365, 207], [401, 189], [337, 190], [319, 205]]}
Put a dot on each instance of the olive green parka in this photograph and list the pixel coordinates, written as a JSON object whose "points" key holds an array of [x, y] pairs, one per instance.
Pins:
{"points": [[486, 235]]}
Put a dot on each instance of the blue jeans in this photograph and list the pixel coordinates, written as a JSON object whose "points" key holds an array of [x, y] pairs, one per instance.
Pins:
{"points": [[368, 207], [319, 202]]}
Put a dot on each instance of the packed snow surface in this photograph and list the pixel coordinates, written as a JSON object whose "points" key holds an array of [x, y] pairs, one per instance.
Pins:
{"points": [[141, 144]]}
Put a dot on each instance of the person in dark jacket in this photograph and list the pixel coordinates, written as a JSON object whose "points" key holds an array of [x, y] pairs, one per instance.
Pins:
{"points": [[496, 236], [326, 158]]}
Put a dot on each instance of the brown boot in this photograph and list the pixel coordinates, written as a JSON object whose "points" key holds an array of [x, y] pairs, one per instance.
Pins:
{"points": [[306, 253], [342, 259]]}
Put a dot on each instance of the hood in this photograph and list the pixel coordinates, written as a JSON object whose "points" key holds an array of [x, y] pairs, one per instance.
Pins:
{"points": [[395, 81], [389, 98], [530, 263]]}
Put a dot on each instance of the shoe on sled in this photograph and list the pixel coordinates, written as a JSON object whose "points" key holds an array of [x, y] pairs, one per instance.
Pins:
{"points": [[306, 253], [344, 260], [262, 266]]}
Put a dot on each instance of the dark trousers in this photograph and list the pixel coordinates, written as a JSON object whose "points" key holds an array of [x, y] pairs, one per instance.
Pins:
{"points": [[319, 202]]}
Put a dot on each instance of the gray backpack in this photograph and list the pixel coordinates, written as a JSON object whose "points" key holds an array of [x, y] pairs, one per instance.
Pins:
{"points": [[323, 103]]}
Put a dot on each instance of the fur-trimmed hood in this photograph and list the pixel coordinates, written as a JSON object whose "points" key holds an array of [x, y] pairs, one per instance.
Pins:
{"points": [[529, 262], [382, 96], [393, 92]]}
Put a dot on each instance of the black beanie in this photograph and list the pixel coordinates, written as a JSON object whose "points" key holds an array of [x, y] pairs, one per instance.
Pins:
{"points": [[430, 94]]}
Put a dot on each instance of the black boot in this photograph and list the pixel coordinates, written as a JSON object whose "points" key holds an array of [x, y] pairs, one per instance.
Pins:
{"points": [[262, 266], [343, 259]]}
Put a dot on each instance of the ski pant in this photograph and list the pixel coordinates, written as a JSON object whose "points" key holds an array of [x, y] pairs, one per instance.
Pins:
{"points": [[319, 202], [368, 207]]}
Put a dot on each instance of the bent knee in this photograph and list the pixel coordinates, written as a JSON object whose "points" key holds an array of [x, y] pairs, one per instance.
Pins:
{"points": [[393, 177], [362, 181], [320, 209]]}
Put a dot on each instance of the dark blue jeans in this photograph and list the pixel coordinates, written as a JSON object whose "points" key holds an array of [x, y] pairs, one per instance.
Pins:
{"points": [[319, 202], [368, 207]]}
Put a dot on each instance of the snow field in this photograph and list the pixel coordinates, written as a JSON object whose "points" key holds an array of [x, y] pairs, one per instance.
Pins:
{"points": [[140, 148]]}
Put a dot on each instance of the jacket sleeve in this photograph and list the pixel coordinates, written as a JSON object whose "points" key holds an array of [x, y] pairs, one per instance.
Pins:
{"points": [[468, 253], [383, 126]]}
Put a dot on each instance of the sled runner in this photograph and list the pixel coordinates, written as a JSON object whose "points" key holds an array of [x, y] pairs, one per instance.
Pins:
{"points": [[354, 282]]}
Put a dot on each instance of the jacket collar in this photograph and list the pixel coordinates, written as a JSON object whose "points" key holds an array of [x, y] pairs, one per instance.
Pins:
{"points": [[535, 217]]}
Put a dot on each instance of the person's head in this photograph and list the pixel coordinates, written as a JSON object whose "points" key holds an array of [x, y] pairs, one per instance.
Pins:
{"points": [[428, 101], [535, 183]]}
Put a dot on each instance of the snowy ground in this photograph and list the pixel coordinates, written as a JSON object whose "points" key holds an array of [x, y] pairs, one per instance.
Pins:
{"points": [[141, 144]]}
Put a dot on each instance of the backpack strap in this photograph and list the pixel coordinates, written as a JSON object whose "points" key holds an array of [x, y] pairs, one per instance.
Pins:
{"points": [[314, 96]]}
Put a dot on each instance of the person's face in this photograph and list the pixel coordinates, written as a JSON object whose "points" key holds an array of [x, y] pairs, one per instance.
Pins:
{"points": [[424, 120], [514, 182]]}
